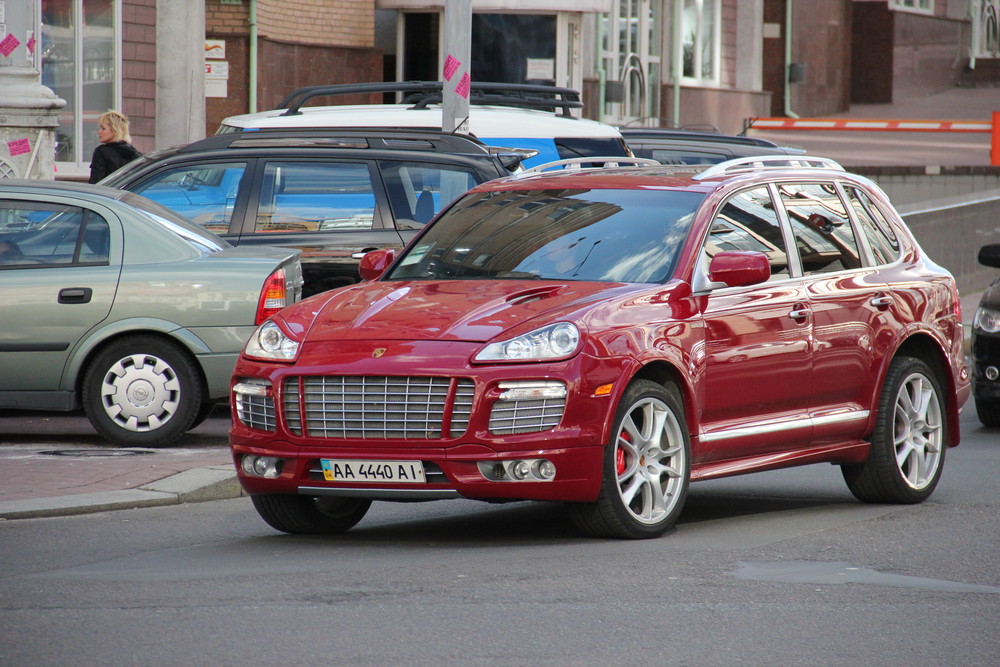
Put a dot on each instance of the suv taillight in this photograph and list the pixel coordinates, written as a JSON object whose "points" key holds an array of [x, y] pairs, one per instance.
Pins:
{"points": [[273, 297]]}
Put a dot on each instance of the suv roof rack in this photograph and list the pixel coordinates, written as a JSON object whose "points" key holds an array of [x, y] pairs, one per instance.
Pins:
{"points": [[422, 93], [344, 137], [578, 162], [744, 164]]}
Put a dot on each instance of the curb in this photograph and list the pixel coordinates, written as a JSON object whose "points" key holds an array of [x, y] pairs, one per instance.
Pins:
{"points": [[191, 486]]}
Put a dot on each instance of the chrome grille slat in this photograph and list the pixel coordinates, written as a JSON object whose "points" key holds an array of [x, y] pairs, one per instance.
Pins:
{"points": [[256, 411], [526, 416], [376, 407]]}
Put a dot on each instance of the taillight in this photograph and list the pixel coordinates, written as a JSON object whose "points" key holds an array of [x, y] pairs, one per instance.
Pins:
{"points": [[273, 297]]}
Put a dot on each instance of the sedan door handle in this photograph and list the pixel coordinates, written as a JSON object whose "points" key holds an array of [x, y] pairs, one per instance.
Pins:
{"points": [[881, 301], [359, 255], [75, 295]]}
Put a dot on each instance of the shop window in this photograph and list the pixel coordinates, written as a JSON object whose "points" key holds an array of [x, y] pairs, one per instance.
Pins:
{"points": [[79, 64]]}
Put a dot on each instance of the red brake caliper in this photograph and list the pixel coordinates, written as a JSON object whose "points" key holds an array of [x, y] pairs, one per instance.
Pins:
{"points": [[620, 456]]}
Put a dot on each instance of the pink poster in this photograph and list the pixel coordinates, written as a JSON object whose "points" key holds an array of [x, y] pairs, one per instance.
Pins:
{"points": [[19, 147], [450, 67], [8, 44], [463, 85]]}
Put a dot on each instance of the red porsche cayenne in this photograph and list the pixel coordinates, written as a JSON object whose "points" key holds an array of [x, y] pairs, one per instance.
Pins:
{"points": [[604, 337]]}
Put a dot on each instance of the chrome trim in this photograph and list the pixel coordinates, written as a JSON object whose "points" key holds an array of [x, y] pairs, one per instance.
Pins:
{"points": [[381, 494], [776, 426]]}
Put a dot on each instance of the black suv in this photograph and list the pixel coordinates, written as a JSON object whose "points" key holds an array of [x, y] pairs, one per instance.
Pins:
{"points": [[688, 147], [334, 194]]}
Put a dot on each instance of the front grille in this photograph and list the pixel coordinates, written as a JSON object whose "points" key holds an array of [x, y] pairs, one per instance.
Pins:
{"points": [[255, 411], [526, 415], [407, 408]]}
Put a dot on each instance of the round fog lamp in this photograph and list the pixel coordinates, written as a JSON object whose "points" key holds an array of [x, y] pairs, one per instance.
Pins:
{"points": [[520, 470], [247, 464], [545, 469]]}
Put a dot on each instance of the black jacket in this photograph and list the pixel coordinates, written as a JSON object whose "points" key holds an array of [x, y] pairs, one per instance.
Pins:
{"points": [[110, 157]]}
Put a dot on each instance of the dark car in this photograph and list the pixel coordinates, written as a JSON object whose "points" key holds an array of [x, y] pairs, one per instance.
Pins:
{"points": [[334, 195], [117, 305], [687, 147], [604, 337], [986, 345]]}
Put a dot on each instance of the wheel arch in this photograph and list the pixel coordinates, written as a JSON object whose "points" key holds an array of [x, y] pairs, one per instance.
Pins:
{"points": [[663, 372], [185, 341], [927, 349]]}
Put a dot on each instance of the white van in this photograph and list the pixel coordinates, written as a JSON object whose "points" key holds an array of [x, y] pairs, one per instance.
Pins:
{"points": [[520, 116]]}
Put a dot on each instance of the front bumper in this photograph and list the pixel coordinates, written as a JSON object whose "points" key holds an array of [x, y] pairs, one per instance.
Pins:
{"points": [[453, 451]]}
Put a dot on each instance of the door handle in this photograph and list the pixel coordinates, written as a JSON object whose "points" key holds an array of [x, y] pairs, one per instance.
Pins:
{"points": [[799, 313], [75, 295], [881, 301]]}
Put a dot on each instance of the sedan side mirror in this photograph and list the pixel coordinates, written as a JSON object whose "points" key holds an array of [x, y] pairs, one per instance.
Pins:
{"points": [[374, 263], [989, 255], [739, 268]]}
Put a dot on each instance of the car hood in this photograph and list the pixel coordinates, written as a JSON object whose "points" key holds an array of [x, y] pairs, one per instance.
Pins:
{"points": [[466, 310]]}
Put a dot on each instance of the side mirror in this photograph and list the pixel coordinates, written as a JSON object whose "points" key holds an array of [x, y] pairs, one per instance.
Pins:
{"points": [[989, 255], [374, 263], [739, 268]]}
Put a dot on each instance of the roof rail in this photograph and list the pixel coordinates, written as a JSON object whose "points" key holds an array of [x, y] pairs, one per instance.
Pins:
{"points": [[742, 164], [422, 93], [578, 162]]}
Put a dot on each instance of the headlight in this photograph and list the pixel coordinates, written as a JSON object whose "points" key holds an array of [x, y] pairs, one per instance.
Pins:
{"points": [[552, 342], [270, 342], [987, 320]]}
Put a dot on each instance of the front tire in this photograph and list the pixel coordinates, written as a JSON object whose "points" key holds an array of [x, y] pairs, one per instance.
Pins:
{"points": [[141, 391], [647, 467], [908, 444], [988, 411], [310, 514]]}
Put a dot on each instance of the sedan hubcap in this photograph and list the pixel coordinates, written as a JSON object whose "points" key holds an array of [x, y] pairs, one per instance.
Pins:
{"points": [[650, 460], [140, 392], [918, 431]]}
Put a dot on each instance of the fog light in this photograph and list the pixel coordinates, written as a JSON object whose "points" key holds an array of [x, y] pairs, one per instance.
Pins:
{"points": [[520, 470], [544, 469], [261, 466], [991, 373]]}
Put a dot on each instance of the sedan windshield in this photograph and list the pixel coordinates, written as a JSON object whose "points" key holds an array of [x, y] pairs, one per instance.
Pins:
{"points": [[592, 235]]}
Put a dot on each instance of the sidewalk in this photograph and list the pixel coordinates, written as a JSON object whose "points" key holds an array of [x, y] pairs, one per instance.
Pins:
{"points": [[44, 476]]}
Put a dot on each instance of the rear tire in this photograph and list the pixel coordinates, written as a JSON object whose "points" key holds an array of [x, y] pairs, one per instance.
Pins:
{"points": [[141, 391], [908, 444], [988, 411], [647, 467], [310, 514]]}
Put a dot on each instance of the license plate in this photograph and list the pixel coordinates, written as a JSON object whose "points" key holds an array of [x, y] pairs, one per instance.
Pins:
{"points": [[354, 470]]}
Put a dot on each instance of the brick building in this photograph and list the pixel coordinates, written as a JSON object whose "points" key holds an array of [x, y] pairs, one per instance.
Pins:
{"points": [[177, 67]]}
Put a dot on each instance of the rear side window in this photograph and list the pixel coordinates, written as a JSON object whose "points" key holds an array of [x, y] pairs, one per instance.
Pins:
{"points": [[204, 193], [418, 190], [823, 232], [36, 234], [315, 197], [878, 231]]}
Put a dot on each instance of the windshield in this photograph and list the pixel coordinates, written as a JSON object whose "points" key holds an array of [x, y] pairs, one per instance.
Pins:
{"points": [[198, 237], [592, 235]]}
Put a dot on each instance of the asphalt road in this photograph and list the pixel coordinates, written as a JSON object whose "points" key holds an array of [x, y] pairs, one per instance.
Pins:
{"points": [[780, 568]]}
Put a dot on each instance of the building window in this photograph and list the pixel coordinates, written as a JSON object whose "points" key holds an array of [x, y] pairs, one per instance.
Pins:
{"points": [[986, 30], [631, 41], [80, 64], [916, 6], [700, 40]]}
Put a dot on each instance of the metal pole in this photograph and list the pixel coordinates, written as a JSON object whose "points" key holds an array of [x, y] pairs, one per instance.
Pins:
{"points": [[456, 68]]}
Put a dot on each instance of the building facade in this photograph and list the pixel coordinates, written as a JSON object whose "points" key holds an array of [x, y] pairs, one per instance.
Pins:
{"points": [[178, 67]]}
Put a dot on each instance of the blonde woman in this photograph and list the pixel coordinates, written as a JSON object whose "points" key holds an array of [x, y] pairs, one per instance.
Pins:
{"points": [[116, 148]]}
